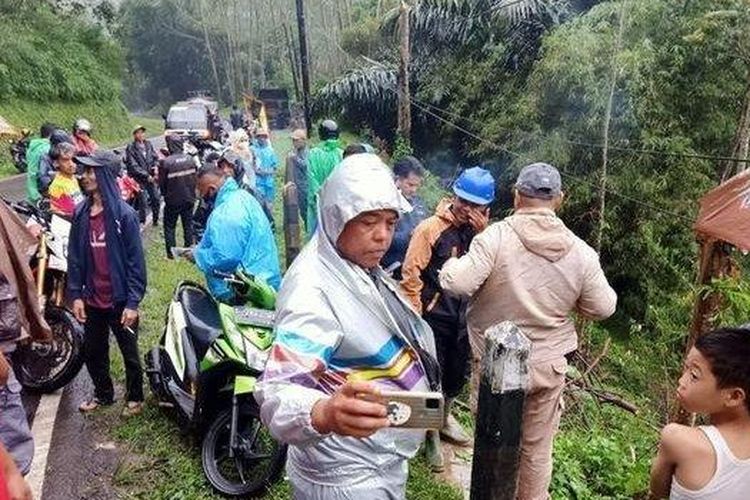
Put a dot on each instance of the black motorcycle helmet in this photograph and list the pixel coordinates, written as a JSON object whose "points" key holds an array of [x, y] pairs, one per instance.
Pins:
{"points": [[59, 136], [174, 143], [328, 129]]}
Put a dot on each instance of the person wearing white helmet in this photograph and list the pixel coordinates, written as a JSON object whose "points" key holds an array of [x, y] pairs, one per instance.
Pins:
{"points": [[82, 140], [343, 333]]}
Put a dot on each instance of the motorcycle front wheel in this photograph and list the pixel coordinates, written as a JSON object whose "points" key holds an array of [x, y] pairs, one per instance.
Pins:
{"points": [[258, 461], [44, 367]]}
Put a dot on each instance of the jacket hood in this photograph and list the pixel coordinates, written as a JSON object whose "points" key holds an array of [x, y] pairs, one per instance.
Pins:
{"points": [[542, 233], [361, 183], [444, 211], [38, 143], [330, 144]]}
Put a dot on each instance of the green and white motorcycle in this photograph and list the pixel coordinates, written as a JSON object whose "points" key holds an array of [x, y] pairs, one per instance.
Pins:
{"points": [[205, 369]]}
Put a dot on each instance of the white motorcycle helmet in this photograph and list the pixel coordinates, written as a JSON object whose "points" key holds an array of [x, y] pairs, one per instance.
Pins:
{"points": [[83, 125]]}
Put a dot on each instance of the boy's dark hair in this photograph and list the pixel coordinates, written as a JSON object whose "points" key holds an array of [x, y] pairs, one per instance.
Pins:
{"points": [[406, 166], [62, 148], [354, 149], [728, 352], [46, 130]]}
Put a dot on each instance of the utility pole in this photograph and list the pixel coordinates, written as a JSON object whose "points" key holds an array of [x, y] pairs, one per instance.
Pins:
{"points": [[404, 97], [502, 393], [305, 63]]}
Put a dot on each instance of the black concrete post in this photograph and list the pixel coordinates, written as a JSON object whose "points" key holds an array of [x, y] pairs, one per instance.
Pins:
{"points": [[502, 392]]}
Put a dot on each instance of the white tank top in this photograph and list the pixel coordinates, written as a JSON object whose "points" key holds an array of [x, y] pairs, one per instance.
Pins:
{"points": [[731, 481]]}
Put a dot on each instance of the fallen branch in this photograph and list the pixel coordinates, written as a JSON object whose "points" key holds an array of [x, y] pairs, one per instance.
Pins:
{"points": [[590, 367]]}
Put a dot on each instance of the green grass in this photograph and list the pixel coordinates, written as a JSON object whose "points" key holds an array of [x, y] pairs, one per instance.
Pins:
{"points": [[160, 461]]}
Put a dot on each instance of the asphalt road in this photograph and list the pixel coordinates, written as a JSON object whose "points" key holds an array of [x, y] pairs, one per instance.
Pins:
{"points": [[72, 457]]}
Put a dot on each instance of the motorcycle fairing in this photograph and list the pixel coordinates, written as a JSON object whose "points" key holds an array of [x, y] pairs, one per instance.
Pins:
{"points": [[57, 241], [172, 338], [244, 384]]}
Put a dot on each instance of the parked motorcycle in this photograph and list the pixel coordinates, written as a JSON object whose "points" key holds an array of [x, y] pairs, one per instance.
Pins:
{"points": [[205, 368], [47, 366], [18, 150]]}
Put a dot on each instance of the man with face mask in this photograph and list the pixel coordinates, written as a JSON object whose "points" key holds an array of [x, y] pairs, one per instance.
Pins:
{"points": [[237, 234], [343, 333], [107, 279]]}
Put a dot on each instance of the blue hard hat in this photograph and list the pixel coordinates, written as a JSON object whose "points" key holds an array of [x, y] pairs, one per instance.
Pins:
{"points": [[475, 185]]}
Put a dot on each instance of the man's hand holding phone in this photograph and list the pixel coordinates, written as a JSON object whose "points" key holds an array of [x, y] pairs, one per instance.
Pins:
{"points": [[355, 409]]}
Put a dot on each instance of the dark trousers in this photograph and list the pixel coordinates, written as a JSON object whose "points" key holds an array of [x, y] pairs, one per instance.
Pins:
{"points": [[99, 322], [452, 343], [171, 213], [149, 196]]}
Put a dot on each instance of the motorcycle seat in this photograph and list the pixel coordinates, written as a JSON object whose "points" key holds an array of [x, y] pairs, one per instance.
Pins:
{"points": [[202, 318]]}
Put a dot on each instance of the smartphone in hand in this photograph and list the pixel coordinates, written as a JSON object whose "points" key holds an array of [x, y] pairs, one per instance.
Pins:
{"points": [[414, 410]]}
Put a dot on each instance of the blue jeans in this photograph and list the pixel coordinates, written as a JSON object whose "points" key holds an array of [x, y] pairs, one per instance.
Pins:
{"points": [[14, 428]]}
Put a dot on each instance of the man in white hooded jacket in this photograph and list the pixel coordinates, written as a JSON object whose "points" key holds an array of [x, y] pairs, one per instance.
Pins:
{"points": [[343, 334]]}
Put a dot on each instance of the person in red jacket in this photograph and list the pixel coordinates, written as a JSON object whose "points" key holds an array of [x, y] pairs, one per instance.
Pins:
{"points": [[82, 140]]}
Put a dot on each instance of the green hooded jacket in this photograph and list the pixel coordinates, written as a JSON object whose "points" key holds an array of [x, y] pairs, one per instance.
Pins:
{"points": [[321, 161], [37, 148]]}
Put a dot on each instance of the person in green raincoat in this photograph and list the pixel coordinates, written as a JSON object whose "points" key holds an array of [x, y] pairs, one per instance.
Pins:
{"points": [[38, 147], [322, 159]]}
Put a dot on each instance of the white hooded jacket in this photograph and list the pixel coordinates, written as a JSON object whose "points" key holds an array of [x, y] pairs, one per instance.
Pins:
{"points": [[334, 325]]}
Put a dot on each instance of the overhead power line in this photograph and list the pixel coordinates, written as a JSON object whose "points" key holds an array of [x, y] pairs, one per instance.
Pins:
{"points": [[520, 156]]}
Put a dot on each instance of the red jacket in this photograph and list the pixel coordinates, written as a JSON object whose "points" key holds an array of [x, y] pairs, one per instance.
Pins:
{"points": [[84, 145]]}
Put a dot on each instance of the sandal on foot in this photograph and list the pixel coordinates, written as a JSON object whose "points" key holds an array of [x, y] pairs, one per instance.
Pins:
{"points": [[132, 408], [93, 404]]}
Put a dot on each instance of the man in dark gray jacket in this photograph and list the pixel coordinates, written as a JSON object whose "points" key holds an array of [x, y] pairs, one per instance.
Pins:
{"points": [[141, 161]]}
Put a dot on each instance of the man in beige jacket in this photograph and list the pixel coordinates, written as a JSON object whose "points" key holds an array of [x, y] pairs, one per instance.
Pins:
{"points": [[532, 270]]}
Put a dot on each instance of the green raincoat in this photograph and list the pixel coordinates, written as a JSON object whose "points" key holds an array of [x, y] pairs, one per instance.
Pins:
{"points": [[37, 148], [322, 159]]}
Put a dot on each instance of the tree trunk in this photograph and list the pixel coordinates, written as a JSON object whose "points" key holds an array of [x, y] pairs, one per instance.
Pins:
{"points": [[605, 132], [209, 49], [741, 142], [292, 61], [715, 262], [404, 96]]}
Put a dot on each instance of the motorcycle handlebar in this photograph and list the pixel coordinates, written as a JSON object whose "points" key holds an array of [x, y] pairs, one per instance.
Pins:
{"points": [[29, 210]]}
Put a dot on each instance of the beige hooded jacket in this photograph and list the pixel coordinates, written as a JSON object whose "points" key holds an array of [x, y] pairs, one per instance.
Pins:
{"points": [[532, 270]]}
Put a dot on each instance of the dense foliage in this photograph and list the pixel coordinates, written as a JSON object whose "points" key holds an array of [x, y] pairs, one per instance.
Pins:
{"points": [[50, 55], [230, 48], [505, 87]]}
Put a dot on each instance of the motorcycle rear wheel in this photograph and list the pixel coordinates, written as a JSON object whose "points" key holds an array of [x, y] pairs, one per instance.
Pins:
{"points": [[45, 367], [259, 460]]}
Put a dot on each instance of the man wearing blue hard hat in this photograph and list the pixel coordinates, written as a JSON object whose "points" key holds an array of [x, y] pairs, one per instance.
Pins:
{"points": [[447, 234]]}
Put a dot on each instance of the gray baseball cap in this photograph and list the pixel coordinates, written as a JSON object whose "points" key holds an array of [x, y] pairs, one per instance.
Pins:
{"points": [[539, 180]]}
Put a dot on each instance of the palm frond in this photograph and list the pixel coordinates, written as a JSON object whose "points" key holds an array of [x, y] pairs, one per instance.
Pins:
{"points": [[369, 88]]}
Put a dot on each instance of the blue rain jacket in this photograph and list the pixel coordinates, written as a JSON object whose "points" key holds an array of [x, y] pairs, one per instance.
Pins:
{"points": [[238, 234]]}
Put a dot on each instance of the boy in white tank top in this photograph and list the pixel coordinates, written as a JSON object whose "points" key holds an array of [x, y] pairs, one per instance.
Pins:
{"points": [[711, 462]]}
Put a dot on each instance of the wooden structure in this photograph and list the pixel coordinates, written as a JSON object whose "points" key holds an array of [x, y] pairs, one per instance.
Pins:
{"points": [[502, 393]]}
